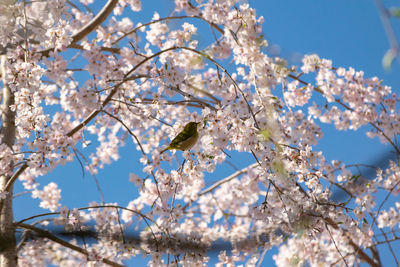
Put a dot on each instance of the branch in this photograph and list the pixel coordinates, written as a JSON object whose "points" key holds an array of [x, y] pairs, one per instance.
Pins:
{"points": [[128, 130], [363, 256], [221, 31], [93, 114], [193, 98], [86, 30], [227, 179], [96, 21], [144, 217], [50, 236], [69, 134], [151, 101], [349, 108], [229, 76], [374, 218], [102, 48], [334, 243]]}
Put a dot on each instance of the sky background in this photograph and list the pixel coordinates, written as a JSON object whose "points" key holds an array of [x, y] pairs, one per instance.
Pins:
{"points": [[350, 33]]}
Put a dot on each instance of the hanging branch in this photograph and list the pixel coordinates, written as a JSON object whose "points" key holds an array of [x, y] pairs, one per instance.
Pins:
{"points": [[50, 236]]}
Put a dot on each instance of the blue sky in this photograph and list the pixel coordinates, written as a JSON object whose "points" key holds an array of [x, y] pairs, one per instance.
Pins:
{"points": [[348, 32]]}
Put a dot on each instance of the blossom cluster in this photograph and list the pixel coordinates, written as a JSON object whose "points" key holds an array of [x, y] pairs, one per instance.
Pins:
{"points": [[141, 82]]}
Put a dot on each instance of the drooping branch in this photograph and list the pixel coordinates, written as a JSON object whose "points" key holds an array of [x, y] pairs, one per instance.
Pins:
{"points": [[50, 236]]}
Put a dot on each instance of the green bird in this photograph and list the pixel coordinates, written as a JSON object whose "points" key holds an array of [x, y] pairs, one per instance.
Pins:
{"points": [[186, 139]]}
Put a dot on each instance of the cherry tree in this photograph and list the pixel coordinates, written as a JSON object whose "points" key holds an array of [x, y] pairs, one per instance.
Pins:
{"points": [[141, 82]]}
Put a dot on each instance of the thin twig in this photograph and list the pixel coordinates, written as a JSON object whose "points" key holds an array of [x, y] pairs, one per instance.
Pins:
{"points": [[363, 256], [221, 31], [126, 128], [227, 179], [334, 242], [229, 76], [350, 109]]}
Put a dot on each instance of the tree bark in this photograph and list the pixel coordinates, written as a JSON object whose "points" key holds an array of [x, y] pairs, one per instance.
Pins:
{"points": [[8, 253]]}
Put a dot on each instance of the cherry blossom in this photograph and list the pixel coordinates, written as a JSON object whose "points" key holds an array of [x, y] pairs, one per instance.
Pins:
{"points": [[81, 86]]}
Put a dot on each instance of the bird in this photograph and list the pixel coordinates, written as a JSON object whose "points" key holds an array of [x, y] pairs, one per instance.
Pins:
{"points": [[186, 139]]}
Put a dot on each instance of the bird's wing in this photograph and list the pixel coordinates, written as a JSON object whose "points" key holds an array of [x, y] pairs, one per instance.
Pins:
{"points": [[181, 137]]}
